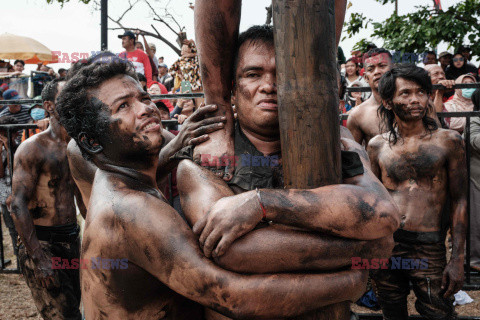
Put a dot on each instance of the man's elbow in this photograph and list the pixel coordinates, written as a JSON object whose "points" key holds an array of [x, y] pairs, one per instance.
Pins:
{"points": [[388, 215]]}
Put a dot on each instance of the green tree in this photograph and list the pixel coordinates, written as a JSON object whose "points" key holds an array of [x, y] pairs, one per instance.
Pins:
{"points": [[423, 29]]}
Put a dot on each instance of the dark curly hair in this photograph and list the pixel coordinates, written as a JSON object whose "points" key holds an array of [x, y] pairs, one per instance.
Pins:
{"points": [[51, 89], [78, 108], [387, 88]]}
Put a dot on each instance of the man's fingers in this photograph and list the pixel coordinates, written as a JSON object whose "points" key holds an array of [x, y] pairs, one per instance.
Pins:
{"points": [[198, 227], [212, 120], [451, 289], [210, 243], [208, 129], [206, 232], [202, 111], [223, 245], [444, 280], [197, 141]]}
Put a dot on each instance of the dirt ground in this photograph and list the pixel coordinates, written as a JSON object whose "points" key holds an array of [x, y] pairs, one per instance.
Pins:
{"points": [[16, 300]]}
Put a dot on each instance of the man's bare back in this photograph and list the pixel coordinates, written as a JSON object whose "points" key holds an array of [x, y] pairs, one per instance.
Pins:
{"points": [[415, 171]]}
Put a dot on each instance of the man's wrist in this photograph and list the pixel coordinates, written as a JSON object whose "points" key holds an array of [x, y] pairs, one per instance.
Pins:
{"points": [[264, 211]]}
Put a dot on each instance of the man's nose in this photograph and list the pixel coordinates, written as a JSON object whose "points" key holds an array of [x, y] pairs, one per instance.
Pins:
{"points": [[269, 84], [144, 109]]}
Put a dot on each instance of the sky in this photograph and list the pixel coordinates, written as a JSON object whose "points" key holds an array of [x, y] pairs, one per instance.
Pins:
{"points": [[75, 28]]}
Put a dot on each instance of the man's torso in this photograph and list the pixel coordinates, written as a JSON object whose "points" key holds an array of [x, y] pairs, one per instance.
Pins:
{"points": [[414, 171], [366, 120], [121, 291], [53, 200]]}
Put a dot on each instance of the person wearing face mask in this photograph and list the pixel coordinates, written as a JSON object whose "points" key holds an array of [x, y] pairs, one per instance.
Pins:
{"points": [[39, 116], [461, 101]]}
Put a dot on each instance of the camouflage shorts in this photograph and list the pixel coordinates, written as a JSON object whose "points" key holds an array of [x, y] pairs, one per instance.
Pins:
{"points": [[56, 303], [393, 285]]}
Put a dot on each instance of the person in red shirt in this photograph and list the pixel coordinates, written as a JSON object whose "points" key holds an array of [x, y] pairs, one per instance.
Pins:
{"points": [[137, 57]]}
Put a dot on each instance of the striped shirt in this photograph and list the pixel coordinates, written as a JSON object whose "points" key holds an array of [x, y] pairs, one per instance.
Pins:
{"points": [[22, 116]]}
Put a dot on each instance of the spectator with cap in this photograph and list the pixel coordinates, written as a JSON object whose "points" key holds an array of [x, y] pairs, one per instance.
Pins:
{"points": [[445, 59], [164, 77], [19, 112], [137, 57]]}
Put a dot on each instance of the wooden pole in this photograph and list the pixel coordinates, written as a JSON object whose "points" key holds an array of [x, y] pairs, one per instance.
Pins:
{"points": [[308, 101]]}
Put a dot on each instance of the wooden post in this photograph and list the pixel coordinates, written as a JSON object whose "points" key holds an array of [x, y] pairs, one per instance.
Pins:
{"points": [[308, 101]]}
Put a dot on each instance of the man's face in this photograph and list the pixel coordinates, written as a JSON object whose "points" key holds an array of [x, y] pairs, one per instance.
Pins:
{"points": [[162, 70], [14, 108], [160, 60], [18, 67], [375, 68], [410, 101], [255, 92], [139, 46], [437, 74], [62, 74], [127, 42], [134, 120], [430, 59], [445, 60]]}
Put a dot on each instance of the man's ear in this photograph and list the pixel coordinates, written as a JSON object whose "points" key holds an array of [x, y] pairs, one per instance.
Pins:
{"points": [[387, 104], [49, 106], [89, 144]]}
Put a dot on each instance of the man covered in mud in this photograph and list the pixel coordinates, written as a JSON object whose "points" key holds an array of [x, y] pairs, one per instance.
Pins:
{"points": [[195, 130], [364, 121], [421, 165], [117, 126], [43, 209], [311, 231]]}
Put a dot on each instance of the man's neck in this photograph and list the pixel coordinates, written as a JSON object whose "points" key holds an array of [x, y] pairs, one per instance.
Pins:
{"points": [[57, 131], [144, 176], [265, 144], [376, 96], [130, 49], [410, 129]]}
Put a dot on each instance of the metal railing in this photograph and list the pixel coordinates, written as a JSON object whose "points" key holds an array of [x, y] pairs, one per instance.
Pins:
{"points": [[159, 96]]}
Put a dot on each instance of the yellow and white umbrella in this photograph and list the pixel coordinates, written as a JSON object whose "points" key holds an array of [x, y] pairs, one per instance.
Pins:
{"points": [[24, 48]]}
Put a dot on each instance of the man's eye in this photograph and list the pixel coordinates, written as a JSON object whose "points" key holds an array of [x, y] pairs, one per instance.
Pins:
{"points": [[123, 105], [252, 75]]}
